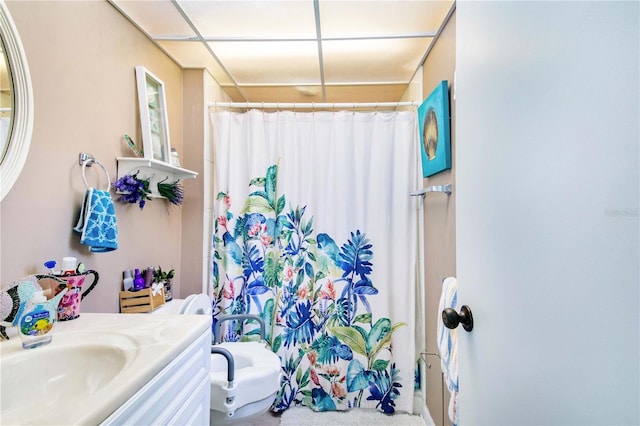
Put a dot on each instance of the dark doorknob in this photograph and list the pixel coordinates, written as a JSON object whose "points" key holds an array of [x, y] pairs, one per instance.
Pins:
{"points": [[451, 319]]}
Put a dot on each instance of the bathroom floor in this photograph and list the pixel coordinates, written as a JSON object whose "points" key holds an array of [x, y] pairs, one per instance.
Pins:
{"points": [[301, 416], [265, 419]]}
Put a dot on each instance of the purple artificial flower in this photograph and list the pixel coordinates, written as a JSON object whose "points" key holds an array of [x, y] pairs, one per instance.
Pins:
{"points": [[133, 190]]}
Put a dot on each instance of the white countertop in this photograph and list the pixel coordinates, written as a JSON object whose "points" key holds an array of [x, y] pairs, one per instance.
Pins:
{"points": [[152, 341]]}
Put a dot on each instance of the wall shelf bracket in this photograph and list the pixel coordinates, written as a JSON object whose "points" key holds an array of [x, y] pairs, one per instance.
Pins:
{"points": [[154, 170]]}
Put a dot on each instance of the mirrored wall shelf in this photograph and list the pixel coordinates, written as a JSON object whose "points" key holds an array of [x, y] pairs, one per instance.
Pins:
{"points": [[154, 170]]}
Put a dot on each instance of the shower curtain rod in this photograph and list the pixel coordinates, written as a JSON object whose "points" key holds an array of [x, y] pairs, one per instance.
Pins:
{"points": [[312, 105]]}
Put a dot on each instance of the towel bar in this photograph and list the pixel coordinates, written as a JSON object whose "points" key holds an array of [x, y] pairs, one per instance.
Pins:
{"points": [[447, 189]]}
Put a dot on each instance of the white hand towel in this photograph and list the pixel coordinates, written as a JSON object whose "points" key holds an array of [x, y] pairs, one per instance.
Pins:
{"points": [[448, 345]]}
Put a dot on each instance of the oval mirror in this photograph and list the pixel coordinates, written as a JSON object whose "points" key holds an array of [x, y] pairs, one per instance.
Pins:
{"points": [[18, 111], [6, 101]]}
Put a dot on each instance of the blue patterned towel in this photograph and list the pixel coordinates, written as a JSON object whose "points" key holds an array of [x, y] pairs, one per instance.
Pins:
{"points": [[97, 222]]}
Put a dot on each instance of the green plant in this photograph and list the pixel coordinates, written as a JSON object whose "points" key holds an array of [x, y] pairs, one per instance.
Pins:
{"points": [[159, 275]]}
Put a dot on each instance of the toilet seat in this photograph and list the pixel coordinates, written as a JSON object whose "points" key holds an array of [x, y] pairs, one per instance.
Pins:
{"points": [[184, 303], [196, 304]]}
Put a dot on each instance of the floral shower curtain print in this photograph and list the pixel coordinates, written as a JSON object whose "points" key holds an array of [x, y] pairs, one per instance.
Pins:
{"points": [[313, 232]]}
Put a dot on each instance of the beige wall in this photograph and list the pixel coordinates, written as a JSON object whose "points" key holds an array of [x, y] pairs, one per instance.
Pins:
{"points": [[193, 210], [439, 220], [82, 57], [199, 89]]}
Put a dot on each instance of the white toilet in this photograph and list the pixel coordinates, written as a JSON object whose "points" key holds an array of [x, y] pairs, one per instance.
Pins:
{"points": [[255, 374]]}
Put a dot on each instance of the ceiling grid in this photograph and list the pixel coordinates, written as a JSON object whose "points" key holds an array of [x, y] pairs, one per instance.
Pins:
{"points": [[316, 12], [296, 50]]}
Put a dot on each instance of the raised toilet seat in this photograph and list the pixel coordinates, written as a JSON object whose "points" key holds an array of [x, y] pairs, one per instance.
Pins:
{"points": [[255, 370], [256, 380]]}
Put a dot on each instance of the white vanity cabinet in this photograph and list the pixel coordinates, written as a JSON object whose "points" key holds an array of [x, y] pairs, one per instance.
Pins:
{"points": [[178, 395]]}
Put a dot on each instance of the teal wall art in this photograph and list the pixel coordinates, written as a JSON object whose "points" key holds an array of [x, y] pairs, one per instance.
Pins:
{"points": [[435, 130]]}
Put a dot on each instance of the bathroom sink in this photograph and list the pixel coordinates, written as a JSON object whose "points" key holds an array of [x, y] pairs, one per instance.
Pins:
{"points": [[92, 367], [77, 365]]}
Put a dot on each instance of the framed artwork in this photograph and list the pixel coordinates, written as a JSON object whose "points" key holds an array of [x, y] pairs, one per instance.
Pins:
{"points": [[153, 116], [435, 131]]}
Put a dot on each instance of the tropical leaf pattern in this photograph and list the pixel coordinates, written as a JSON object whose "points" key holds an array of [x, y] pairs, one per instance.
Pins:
{"points": [[314, 297]]}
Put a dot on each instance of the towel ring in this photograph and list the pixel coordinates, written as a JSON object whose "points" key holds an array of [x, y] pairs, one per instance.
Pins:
{"points": [[84, 177]]}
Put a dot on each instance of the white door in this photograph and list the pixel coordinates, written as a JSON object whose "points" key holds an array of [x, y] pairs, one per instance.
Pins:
{"points": [[547, 211]]}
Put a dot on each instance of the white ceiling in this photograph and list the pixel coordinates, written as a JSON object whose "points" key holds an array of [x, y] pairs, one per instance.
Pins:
{"points": [[296, 50]]}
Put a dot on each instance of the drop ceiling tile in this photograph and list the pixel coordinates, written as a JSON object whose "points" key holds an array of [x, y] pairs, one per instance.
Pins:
{"points": [[194, 54], [257, 63], [383, 17], [158, 18], [280, 71], [254, 19], [371, 61]]}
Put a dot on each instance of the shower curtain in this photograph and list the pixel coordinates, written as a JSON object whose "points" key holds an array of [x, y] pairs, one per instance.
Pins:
{"points": [[314, 230]]}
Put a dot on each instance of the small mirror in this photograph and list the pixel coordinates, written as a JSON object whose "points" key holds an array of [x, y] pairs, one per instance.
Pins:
{"points": [[153, 116], [19, 109]]}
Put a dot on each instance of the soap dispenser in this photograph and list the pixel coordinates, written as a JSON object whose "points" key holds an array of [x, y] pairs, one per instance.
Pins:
{"points": [[36, 324]]}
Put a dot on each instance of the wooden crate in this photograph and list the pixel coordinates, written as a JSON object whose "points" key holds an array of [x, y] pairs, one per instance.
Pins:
{"points": [[140, 301]]}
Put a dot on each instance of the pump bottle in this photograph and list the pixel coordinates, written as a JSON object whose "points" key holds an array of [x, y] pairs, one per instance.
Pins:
{"points": [[36, 324], [138, 281]]}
